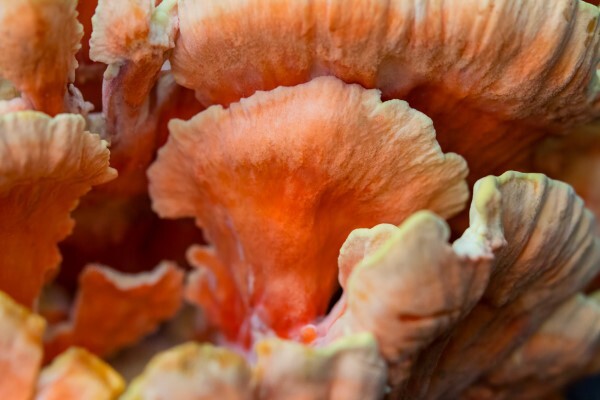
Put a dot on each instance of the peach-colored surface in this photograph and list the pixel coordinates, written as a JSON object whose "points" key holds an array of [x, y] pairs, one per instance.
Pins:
{"points": [[339, 136], [20, 350], [136, 304], [77, 374], [46, 165], [39, 42], [494, 76], [277, 196]]}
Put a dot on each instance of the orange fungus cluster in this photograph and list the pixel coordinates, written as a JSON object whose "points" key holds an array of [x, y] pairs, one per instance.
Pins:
{"points": [[309, 199]]}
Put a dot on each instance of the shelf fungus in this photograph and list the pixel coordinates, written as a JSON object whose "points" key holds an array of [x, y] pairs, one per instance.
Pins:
{"points": [[495, 76], [281, 179], [263, 200], [47, 165]]}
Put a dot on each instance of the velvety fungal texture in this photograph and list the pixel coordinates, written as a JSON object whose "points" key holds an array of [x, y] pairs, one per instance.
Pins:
{"points": [[281, 178], [505, 71], [266, 199], [47, 165]]}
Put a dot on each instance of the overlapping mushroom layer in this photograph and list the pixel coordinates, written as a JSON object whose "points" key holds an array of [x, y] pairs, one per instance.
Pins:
{"points": [[285, 180], [279, 180], [493, 75], [47, 165], [73, 374]]}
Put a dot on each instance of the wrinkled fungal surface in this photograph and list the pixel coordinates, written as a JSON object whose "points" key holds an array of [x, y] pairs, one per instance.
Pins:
{"points": [[309, 199]]}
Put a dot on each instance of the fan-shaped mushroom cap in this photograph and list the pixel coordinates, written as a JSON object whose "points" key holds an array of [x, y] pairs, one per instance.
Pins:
{"points": [[551, 253], [347, 369], [40, 39], [416, 293], [556, 354], [489, 73], [279, 180], [46, 165], [20, 349], [77, 374], [114, 310], [412, 288], [193, 372]]}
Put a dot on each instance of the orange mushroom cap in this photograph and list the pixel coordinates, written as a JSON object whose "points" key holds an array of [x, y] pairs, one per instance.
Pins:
{"points": [[114, 310], [193, 372], [494, 76], [551, 253], [77, 374], [39, 42], [279, 180], [20, 349], [46, 165]]}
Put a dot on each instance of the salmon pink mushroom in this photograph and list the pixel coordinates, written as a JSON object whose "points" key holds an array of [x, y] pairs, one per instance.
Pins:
{"points": [[193, 372], [115, 225], [137, 304], [305, 165], [133, 38], [20, 349], [447, 333], [279, 180], [552, 252], [494, 76], [74, 374], [47, 165], [348, 369], [383, 291], [39, 42], [77, 374], [557, 353]]}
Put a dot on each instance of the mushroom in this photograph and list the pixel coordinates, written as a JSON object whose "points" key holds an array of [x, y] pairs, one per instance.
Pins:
{"points": [[137, 304], [556, 354], [347, 369], [298, 162], [74, 374], [79, 374], [21, 349], [193, 371], [47, 165], [114, 222], [383, 292], [39, 42], [494, 76], [552, 253], [277, 207]]}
